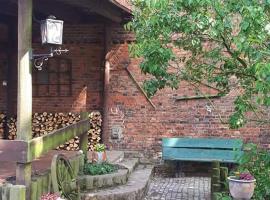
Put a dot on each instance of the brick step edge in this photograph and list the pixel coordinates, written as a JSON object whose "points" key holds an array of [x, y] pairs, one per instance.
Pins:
{"points": [[134, 189]]}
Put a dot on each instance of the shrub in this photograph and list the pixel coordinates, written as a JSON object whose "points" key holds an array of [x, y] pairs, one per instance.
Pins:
{"points": [[99, 169], [257, 161]]}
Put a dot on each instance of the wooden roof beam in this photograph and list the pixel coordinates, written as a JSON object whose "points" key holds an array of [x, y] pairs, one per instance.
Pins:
{"points": [[8, 8], [60, 10], [101, 7]]}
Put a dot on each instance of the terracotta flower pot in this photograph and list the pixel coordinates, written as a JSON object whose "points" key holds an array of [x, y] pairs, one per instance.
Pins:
{"points": [[99, 157], [241, 189]]}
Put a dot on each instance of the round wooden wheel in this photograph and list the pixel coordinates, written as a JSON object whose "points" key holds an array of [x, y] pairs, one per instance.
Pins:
{"points": [[63, 178]]}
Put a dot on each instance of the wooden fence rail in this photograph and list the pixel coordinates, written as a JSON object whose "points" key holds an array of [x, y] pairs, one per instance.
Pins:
{"points": [[23, 152]]}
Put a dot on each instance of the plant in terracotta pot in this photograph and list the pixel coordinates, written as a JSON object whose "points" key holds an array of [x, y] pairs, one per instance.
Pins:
{"points": [[242, 185], [99, 154]]}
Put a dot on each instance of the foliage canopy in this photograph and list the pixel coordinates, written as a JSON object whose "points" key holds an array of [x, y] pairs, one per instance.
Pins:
{"points": [[227, 45]]}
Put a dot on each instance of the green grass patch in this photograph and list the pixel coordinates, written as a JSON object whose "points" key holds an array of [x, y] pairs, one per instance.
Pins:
{"points": [[99, 169]]}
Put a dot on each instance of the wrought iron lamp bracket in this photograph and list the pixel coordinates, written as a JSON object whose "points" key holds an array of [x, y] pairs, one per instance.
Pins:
{"points": [[39, 59]]}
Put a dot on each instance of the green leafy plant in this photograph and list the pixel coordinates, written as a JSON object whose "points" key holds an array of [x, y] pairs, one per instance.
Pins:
{"points": [[222, 196], [99, 169], [222, 44], [257, 161], [99, 147]]}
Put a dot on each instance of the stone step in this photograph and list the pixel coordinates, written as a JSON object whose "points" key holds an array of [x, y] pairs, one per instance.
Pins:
{"points": [[88, 182], [129, 164], [134, 189]]}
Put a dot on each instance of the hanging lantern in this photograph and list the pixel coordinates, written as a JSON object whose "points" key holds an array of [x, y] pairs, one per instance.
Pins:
{"points": [[51, 31], [52, 34]]}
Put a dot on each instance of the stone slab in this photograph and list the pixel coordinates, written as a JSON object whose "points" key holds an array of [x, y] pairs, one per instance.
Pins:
{"points": [[134, 189], [88, 182]]}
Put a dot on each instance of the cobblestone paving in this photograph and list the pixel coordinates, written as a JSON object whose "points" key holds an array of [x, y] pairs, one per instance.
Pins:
{"points": [[183, 188]]}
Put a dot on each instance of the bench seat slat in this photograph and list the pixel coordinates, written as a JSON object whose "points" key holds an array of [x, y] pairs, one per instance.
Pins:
{"points": [[202, 155], [215, 143]]}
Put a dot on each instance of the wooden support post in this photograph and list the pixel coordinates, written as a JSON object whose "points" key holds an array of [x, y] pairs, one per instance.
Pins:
{"points": [[83, 145], [24, 107]]}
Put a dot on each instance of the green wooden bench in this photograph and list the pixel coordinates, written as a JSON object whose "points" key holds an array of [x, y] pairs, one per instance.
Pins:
{"points": [[202, 149]]}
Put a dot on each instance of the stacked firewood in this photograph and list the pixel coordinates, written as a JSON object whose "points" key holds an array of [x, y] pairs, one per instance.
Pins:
{"points": [[71, 145], [94, 133], [44, 123], [2, 124], [12, 128]]}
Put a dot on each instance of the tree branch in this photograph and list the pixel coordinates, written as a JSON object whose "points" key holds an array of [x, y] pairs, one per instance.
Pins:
{"points": [[232, 53]]}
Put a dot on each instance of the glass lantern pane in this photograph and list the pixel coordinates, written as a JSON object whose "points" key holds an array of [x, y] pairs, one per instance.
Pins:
{"points": [[54, 31], [51, 31], [43, 30]]}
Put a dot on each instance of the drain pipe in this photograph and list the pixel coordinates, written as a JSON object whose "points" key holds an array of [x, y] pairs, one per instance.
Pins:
{"points": [[105, 135]]}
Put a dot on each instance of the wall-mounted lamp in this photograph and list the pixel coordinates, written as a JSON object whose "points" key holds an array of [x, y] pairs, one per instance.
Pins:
{"points": [[52, 34]]}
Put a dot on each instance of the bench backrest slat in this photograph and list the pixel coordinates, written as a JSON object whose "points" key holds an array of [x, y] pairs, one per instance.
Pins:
{"points": [[214, 143], [202, 155]]}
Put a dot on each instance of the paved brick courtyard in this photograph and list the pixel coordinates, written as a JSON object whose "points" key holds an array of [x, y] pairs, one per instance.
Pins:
{"points": [[183, 188]]}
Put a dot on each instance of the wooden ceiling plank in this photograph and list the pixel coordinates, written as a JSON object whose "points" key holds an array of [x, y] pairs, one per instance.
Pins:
{"points": [[59, 10], [101, 7]]}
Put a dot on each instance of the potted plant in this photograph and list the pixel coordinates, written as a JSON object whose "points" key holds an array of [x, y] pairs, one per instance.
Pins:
{"points": [[242, 185], [99, 154]]}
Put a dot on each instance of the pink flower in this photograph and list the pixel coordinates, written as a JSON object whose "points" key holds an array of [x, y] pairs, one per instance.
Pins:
{"points": [[50, 196], [246, 176]]}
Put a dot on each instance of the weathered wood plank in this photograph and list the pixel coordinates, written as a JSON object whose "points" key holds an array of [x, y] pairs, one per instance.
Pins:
{"points": [[5, 191], [100, 7], [217, 143], [83, 145], [24, 110], [15, 150], [39, 187], [200, 155], [34, 190], [24, 94], [18, 192], [41, 145]]}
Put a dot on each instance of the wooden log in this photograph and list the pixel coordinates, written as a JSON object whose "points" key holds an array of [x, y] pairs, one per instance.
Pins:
{"points": [[224, 173], [17, 192], [215, 187], [5, 191], [39, 187], [34, 189], [44, 183], [215, 164]]}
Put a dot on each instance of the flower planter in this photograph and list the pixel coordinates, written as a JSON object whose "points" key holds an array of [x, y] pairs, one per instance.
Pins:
{"points": [[99, 157], [241, 189]]}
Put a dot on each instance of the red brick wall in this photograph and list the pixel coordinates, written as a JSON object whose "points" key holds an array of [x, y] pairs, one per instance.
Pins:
{"points": [[143, 127], [86, 52], [3, 65]]}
